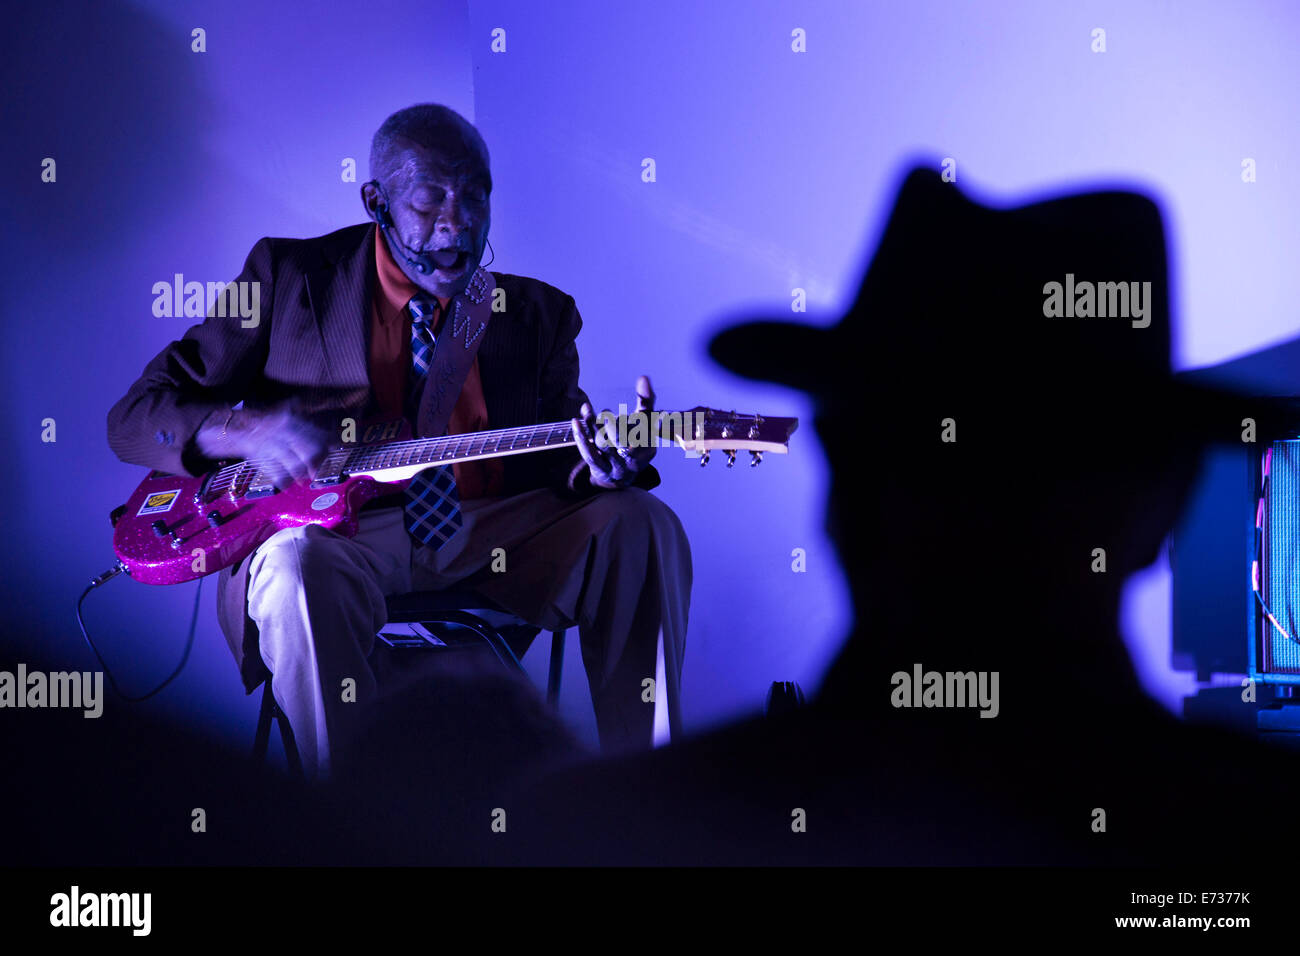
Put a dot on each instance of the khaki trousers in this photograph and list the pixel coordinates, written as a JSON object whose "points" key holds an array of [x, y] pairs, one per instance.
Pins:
{"points": [[616, 565]]}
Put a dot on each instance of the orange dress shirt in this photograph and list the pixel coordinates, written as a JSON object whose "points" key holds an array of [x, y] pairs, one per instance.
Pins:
{"points": [[390, 366]]}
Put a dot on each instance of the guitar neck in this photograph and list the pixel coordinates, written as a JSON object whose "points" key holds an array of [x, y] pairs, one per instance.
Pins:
{"points": [[394, 461]]}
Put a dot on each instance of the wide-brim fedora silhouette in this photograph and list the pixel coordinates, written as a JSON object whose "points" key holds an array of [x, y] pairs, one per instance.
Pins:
{"points": [[1060, 308]]}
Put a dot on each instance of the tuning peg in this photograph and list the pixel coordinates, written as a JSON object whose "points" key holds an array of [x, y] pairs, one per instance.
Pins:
{"points": [[731, 456], [704, 458], [754, 458]]}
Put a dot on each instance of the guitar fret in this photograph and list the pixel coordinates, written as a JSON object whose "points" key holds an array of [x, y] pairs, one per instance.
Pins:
{"points": [[452, 448]]}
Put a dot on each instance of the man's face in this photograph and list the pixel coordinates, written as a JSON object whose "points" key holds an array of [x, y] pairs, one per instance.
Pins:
{"points": [[439, 206]]}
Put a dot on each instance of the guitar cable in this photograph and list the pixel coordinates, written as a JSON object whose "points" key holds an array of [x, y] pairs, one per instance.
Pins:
{"points": [[108, 575]]}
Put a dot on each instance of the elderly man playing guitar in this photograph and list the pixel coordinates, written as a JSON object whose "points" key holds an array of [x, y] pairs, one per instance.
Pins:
{"points": [[378, 322]]}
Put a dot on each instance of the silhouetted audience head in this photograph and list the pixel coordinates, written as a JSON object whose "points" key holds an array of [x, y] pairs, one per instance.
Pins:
{"points": [[997, 405], [440, 753]]}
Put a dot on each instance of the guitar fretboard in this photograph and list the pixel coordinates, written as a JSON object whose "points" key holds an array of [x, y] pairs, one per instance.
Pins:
{"points": [[452, 448]]}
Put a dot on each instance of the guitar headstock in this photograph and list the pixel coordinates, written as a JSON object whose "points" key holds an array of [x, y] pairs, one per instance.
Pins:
{"points": [[704, 430]]}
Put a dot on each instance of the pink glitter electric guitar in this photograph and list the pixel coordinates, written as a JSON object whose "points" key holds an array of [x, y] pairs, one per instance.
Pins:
{"points": [[176, 528]]}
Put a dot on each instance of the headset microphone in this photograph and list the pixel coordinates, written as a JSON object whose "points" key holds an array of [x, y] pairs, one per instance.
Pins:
{"points": [[420, 262]]}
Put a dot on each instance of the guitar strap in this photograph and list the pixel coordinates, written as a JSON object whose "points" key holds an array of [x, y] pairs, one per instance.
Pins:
{"points": [[457, 344]]}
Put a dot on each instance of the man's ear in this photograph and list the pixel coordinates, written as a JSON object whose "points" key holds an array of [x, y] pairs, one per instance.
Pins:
{"points": [[372, 199]]}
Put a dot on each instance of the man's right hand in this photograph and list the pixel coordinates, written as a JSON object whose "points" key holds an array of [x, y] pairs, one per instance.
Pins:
{"points": [[278, 434]]}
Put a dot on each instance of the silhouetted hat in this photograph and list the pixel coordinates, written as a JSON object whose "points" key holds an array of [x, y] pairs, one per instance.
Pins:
{"points": [[1059, 305]]}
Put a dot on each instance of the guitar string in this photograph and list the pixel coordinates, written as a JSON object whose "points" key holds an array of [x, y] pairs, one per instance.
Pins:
{"points": [[227, 476], [272, 470], [445, 439], [230, 474]]}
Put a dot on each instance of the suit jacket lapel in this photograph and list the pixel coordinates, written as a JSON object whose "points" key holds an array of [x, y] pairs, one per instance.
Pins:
{"points": [[339, 289]]}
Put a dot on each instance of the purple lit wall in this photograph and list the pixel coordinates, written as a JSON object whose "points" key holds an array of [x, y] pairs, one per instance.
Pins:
{"points": [[773, 171]]}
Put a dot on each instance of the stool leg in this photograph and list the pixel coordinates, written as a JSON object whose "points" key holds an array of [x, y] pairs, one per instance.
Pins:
{"points": [[556, 670], [290, 745], [269, 711], [264, 715]]}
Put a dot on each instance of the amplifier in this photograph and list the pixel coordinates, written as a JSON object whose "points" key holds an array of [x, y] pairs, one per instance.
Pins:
{"points": [[1275, 656]]}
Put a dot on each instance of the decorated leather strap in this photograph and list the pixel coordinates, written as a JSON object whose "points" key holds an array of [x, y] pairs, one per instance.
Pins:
{"points": [[458, 341]]}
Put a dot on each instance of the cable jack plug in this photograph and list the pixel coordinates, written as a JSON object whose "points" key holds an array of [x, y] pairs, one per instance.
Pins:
{"points": [[108, 575]]}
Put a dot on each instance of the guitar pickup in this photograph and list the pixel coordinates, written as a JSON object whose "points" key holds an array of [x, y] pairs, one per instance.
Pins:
{"points": [[331, 471]]}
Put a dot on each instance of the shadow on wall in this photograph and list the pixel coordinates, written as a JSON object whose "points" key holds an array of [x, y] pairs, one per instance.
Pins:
{"points": [[114, 97]]}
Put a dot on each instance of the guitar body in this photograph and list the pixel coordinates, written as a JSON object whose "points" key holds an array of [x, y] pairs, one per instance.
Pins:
{"points": [[187, 546]]}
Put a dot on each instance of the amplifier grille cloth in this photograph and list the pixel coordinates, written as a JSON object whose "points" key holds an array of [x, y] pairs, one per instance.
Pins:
{"points": [[1280, 584]]}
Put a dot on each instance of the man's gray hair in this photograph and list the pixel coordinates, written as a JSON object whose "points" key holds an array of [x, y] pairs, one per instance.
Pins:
{"points": [[430, 125]]}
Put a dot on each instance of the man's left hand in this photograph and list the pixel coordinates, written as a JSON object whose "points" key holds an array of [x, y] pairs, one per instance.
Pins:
{"points": [[612, 464]]}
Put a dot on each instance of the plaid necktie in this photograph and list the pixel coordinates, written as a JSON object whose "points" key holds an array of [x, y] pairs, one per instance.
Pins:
{"points": [[432, 510]]}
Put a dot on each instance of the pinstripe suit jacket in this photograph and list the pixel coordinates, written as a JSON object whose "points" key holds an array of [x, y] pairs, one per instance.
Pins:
{"points": [[311, 343]]}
